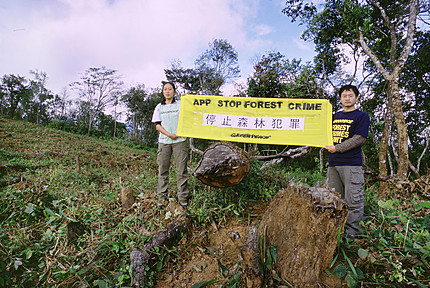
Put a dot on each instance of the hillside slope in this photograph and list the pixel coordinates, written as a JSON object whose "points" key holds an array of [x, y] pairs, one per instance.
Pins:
{"points": [[67, 178], [51, 181]]}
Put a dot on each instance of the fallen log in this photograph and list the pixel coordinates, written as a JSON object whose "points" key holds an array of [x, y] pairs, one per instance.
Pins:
{"points": [[223, 164], [140, 258], [17, 167], [303, 223]]}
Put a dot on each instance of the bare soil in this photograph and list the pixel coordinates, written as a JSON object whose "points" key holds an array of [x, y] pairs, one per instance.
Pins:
{"points": [[202, 256]]}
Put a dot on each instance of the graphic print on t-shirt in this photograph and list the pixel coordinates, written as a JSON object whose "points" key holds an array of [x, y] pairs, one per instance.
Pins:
{"points": [[341, 129]]}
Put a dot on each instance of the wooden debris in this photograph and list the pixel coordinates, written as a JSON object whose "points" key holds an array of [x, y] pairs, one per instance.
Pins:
{"points": [[303, 223], [140, 258], [127, 198], [420, 185], [223, 164], [74, 230], [13, 181]]}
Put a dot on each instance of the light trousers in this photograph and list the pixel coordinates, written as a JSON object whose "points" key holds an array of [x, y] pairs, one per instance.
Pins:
{"points": [[180, 153], [348, 182]]}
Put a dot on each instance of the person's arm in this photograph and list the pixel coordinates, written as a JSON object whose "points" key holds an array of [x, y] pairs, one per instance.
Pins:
{"points": [[162, 130], [350, 143], [347, 145]]}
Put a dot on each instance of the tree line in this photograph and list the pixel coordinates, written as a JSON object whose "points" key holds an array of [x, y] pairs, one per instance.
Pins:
{"points": [[380, 46]]}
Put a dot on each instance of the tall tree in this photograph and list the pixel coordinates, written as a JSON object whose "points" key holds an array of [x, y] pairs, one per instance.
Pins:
{"points": [[60, 104], [186, 78], [269, 77], [220, 61], [415, 82], [108, 127], [215, 67], [275, 76], [13, 91], [141, 104], [98, 88], [39, 104], [375, 27]]}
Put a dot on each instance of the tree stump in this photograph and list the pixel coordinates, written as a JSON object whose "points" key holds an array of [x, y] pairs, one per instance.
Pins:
{"points": [[127, 198], [223, 164], [303, 223]]}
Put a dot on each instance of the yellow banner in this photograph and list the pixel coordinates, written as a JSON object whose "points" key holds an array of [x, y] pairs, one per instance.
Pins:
{"points": [[301, 122]]}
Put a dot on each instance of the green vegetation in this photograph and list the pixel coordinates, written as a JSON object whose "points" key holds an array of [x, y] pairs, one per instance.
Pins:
{"points": [[51, 179], [395, 247], [71, 178]]}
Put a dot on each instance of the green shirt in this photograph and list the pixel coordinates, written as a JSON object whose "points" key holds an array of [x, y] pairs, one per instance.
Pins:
{"points": [[167, 115]]}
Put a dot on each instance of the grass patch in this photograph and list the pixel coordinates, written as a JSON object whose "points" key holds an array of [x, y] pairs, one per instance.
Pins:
{"points": [[76, 178]]}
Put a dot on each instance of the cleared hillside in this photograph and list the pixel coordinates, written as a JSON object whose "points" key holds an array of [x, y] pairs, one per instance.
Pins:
{"points": [[67, 178], [51, 181]]}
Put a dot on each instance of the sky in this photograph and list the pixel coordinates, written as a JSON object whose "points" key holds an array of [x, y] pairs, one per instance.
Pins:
{"points": [[138, 38]]}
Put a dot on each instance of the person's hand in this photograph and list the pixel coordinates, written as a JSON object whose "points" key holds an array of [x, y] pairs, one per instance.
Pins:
{"points": [[173, 136], [331, 149]]}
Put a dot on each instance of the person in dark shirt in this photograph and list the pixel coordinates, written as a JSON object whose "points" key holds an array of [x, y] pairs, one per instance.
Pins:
{"points": [[345, 172]]}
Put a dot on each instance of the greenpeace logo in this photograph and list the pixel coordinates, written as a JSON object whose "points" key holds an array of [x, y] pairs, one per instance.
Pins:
{"points": [[253, 136]]}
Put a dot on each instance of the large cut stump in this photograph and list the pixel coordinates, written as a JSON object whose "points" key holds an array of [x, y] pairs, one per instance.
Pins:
{"points": [[303, 223], [223, 164]]}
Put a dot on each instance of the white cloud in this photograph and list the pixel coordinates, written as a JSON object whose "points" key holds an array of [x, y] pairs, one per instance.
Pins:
{"points": [[263, 29], [137, 38], [302, 45]]}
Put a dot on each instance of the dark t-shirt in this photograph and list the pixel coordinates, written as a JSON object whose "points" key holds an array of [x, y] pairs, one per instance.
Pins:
{"points": [[346, 125]]}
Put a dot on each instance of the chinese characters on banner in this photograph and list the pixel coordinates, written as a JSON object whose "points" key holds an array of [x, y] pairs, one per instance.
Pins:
{"points": [[256, 123], [301, 122]]}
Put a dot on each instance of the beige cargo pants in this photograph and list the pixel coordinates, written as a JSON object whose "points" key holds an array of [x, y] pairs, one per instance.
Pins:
{"points": [[348, 182], [180, 154]]}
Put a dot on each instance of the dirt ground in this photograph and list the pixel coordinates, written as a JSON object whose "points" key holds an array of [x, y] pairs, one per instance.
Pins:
{"points": [[305, 238], [223, 244], [214, 247]]}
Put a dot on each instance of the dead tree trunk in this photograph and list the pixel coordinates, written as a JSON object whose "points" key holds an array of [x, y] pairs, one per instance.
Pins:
{"points": [[303, 224], [139, 258]]}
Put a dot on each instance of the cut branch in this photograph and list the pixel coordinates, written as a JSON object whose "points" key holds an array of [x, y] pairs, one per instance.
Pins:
{"points": [[194, 149], [292, 153], [13, 181], [139, 258], [417, 169]]}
